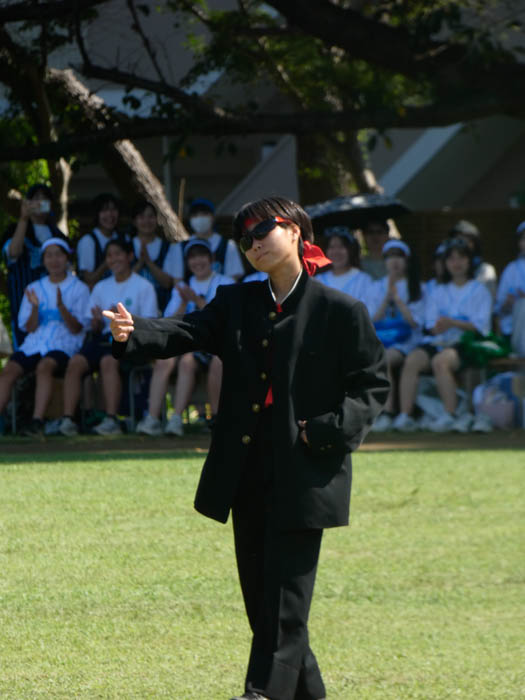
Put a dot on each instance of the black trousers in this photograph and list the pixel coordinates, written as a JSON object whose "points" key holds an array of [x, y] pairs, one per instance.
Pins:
{"points": [[277, 575]]}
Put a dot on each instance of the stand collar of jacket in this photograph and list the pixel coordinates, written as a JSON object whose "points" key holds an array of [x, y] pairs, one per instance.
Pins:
{"points": [[290, 303]]}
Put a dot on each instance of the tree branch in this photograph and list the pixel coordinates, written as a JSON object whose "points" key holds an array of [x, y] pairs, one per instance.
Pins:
{"points": [[137, 26], [89, 140], [25, 11], [389, 47], [199, 107]]}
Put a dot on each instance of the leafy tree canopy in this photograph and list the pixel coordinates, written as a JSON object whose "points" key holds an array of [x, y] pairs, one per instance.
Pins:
{"points": [[340, 65]]}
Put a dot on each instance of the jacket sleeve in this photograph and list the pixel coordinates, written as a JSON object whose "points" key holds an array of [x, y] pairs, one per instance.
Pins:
{"points": [[154, 338], [366, 388]]}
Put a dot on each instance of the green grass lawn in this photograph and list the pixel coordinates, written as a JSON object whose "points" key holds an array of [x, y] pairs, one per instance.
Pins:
{"points": [[111, 586]]}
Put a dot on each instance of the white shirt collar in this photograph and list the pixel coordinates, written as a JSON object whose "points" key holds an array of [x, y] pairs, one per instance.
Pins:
{"points": [[291, 290]]}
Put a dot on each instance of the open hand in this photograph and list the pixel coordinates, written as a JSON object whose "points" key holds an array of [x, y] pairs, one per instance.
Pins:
{"points": [[121, 323], [184, 292], [32, 297]]}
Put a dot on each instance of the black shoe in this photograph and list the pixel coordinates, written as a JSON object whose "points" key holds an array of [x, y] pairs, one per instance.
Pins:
{"points": [[250, 695], [34, 429]]}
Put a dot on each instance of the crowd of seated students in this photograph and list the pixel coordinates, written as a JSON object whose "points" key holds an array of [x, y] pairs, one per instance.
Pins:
{"points": [[57, 296], [422, 323]]}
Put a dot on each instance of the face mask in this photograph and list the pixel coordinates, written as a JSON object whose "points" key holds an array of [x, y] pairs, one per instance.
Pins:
{"points": [[201, 224]]}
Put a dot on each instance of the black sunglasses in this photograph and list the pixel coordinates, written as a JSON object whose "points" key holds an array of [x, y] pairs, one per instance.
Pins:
{"points": [[258, 232]]}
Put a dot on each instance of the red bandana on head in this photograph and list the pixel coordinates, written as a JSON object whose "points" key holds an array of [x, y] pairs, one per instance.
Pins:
{"points": [[313, 258]]}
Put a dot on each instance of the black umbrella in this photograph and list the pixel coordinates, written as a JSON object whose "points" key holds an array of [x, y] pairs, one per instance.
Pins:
{"points": [[354, 211]]}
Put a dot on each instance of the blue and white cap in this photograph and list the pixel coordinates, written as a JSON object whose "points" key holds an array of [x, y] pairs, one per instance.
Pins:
{"points": [[397, 244], [56, 241], [197, 242]]}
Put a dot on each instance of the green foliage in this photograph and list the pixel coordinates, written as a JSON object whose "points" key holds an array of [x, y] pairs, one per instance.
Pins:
{"points": [[301, 67], [18, 175]]}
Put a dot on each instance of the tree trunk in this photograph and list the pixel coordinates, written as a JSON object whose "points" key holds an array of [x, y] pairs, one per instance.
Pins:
{"points": [[133, 177], [319, 176], [329, 166], [60, 173], [362, 175], [122, 160]]}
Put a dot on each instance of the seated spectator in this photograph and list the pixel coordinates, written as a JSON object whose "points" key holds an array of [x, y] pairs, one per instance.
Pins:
{"points": [[343, 249], [151, 251], [91, 259], [227, 260], [460, 304], [200, 290], [376, 234], [483, 272], [53, 314], [139, 296], [439, 269], [21, 247], [398, 312], [512, 285]]}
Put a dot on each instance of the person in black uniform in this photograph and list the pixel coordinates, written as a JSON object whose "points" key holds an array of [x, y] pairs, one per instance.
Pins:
{"points": [[303, 378]]}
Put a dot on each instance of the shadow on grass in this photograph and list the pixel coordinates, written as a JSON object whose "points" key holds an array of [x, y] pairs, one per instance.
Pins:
{"points": [[94, 448]]}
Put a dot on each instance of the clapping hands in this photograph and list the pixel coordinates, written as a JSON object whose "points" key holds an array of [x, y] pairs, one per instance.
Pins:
{"points": [[186, 293], [32, 297]]}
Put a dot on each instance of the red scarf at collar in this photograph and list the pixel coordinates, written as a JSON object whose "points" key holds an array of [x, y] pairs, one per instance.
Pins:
{"points": [[313, 258]]}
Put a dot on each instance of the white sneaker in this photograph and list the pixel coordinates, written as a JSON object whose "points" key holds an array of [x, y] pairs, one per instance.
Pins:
{"points": [[405, 423], [67, 427], [382, 423], [482, 424], [443, 424], [109, 426], [174, 426], [463, 423], [149, 426]]}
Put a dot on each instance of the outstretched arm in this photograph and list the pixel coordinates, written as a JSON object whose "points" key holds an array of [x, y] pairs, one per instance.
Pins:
{"points": [[143, 339]]}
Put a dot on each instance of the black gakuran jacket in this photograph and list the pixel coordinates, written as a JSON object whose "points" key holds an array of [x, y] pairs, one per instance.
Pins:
{"points": [[325, 364]]}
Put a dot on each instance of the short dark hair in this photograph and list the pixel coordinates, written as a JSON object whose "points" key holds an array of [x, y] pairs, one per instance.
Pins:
{"points": [[40, 187], [121, 242], [101, 200], [200, 250], [140, 206], [458, 245], [350, 243], [269, 207]]}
